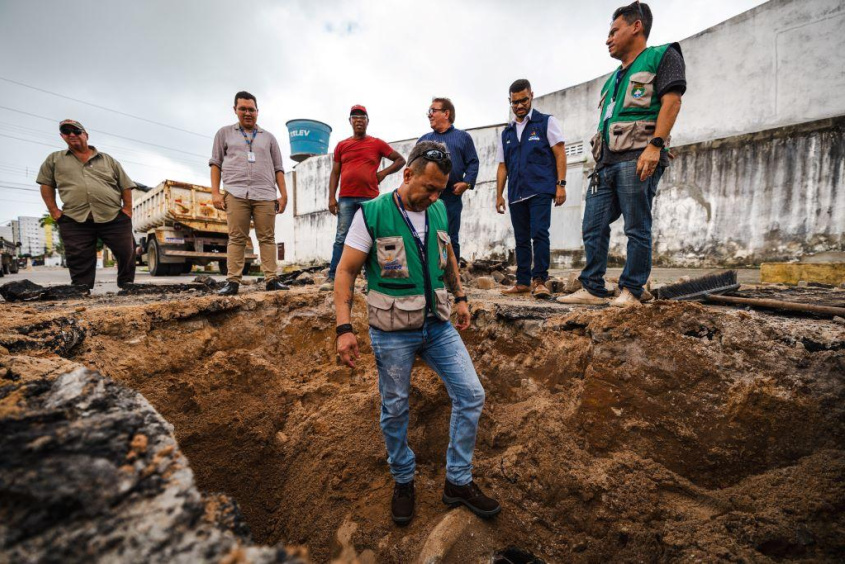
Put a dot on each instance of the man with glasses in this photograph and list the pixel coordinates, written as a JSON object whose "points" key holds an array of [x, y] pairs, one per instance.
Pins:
{"points": [[638, 107], [532, 158], [403, 239], [441, 118], [356, 162], [96, 204], [248, 160]]}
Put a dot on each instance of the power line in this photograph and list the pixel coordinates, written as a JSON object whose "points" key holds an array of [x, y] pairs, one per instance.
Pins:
{"points": [[104, 108], [107, 133], [57, 147]]}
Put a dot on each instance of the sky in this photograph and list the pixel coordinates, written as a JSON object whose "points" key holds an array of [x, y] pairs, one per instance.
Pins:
{"points": [[152, 81]]}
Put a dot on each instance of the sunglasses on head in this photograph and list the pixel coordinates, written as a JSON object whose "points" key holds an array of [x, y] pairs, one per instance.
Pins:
{"points": [[434, 155], [70, 130]]}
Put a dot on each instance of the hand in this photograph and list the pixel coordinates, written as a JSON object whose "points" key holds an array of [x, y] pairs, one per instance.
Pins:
{"points": [[380, 176], [283, 203], [218, 201], [500, 204], [332, 205], [647, 163], [347, 349], [56, 214], [560, 196], [127, 211], [462, 309], [459, 188]]}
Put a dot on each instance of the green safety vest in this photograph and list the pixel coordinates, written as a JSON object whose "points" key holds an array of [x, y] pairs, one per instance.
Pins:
{"points": [[398, 282], [634, 102]]}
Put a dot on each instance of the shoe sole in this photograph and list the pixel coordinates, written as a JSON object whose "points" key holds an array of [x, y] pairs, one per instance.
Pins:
{"points": [[543, 295], [401, 520], [456, 501]]}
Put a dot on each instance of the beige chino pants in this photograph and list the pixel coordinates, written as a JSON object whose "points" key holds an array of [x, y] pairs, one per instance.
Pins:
{"points": [[239, 212]]}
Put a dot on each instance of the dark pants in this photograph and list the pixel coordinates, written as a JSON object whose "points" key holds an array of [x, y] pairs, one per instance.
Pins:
{"points": [[530, 219], [619, 191], [80, 242], [454, 207], [347, 206]]}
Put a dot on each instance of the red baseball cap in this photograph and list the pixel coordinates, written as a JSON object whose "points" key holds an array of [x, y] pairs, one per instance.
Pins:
{"points": [[358, 109]]}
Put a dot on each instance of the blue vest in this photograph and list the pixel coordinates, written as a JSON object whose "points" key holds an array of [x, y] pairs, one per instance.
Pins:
{"points": [[531, 164]]}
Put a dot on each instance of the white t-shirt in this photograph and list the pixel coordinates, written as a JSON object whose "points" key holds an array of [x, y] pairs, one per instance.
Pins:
{"points": [[359, 238], [554, 134]]}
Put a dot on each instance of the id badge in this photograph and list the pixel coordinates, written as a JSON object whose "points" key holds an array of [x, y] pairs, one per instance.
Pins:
{"points": [[250, 157], [609, 112]]}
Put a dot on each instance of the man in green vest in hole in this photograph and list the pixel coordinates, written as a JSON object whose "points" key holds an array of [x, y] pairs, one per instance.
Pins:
{"points": [[638, 107], [403, 238]]}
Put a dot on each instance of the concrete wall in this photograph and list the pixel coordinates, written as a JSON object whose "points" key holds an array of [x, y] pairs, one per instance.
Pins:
{"points": [[766, 70]]}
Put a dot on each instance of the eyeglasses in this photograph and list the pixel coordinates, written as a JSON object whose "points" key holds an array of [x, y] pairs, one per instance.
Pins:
{"points": [[70, 131], [359, 117], [434, 155], [431, 111], [520, 102], [248, 110]]}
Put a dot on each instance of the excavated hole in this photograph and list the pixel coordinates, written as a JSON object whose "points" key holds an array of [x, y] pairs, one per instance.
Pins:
{"points": [[607, 435]]}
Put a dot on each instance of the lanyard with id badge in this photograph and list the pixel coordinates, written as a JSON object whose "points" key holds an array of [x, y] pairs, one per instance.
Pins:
{"points": [[250, 156]]}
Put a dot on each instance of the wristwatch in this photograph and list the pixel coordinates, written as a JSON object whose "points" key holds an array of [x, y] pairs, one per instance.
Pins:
{"points": [[561, 183], [657, 142], [459, 299]]}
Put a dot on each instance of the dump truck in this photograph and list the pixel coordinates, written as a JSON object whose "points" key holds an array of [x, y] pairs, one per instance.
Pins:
{"points": [[8, 257], [177, 226]]}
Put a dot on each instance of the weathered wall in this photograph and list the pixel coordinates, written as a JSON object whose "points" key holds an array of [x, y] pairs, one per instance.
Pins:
{"points": [[729, 197]]}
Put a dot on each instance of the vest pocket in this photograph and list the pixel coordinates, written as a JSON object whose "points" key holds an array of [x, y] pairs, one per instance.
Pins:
{"points": [[640, 90], [596, 143], [630, 135], [443, 252], [395, 313], [443, 305], [392, 257]]}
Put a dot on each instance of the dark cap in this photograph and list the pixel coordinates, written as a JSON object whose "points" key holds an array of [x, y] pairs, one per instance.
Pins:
{"points": [[358, 110], [73, 123]]}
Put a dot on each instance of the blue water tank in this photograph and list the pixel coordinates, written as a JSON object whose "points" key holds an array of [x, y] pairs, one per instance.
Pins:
{"points": [[308, 137]]}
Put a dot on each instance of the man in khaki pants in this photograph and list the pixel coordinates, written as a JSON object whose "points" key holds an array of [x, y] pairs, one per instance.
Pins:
{"points": [[248, 160]]}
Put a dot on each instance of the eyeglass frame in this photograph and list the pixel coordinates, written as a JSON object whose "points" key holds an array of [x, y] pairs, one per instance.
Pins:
{"points": [[70, 130], [520, 102], [427, 155]]}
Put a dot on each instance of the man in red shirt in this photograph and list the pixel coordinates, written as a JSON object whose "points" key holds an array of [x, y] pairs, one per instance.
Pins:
{"points": [[356, 162]]}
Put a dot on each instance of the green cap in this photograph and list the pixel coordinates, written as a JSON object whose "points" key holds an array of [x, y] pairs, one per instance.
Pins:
{"points": [[72, 122]]}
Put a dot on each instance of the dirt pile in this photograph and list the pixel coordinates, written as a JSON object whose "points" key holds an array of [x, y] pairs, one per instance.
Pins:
{"points": [[674, 432]]}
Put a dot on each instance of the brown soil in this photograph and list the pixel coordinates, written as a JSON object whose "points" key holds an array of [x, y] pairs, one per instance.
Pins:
{"points": [[676, 432]]}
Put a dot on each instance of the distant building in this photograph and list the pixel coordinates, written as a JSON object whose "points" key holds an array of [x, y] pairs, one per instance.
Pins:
{"points": [[31, 235], [7, 233]]}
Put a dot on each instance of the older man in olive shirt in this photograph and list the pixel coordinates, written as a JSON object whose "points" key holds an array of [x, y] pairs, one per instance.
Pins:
{"points": [[97, 204]]}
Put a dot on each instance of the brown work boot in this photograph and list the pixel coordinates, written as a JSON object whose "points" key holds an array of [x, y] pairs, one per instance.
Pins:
{"points": [[471, 496], [582, 297], [402, 505], [517, 289], [540, 290]]}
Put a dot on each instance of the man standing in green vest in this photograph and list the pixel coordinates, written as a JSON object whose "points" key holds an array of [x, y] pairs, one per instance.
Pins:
{"points": [[639, 105], [403, 238]]}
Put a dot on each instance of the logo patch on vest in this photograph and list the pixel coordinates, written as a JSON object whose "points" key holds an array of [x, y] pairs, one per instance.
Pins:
{"points": [[392, 265], [638, 90], [533, 136]]}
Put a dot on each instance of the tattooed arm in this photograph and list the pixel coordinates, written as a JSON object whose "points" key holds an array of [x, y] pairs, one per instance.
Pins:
{"points": [[344, 290], [452, 279]]}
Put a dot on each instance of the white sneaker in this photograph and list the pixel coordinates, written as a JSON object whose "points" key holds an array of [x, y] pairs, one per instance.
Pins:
{"points": [[582, 297], [626, 299], [328, 285]]}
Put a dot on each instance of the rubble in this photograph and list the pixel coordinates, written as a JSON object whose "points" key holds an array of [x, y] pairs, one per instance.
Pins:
{"points": [[26, 291]]}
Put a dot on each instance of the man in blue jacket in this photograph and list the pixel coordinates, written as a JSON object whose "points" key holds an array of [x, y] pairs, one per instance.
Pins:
{"points": [[532, 158]]}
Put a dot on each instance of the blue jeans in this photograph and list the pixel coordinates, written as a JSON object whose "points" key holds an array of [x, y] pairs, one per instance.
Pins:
{"points": [[530, 219], [454, 207], [346, 208], [619, 191], [440, 346]]}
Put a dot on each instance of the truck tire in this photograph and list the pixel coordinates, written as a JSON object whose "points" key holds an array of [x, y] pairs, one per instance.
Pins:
{"points": [[186, 267], [247, 266], [154, 260], [13, 266], [223, 266]]}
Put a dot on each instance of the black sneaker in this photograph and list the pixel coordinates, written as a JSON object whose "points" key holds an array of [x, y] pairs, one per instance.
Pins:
{"points": [[471, 496], [228, 289], [275, 284], [402, 505]]}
